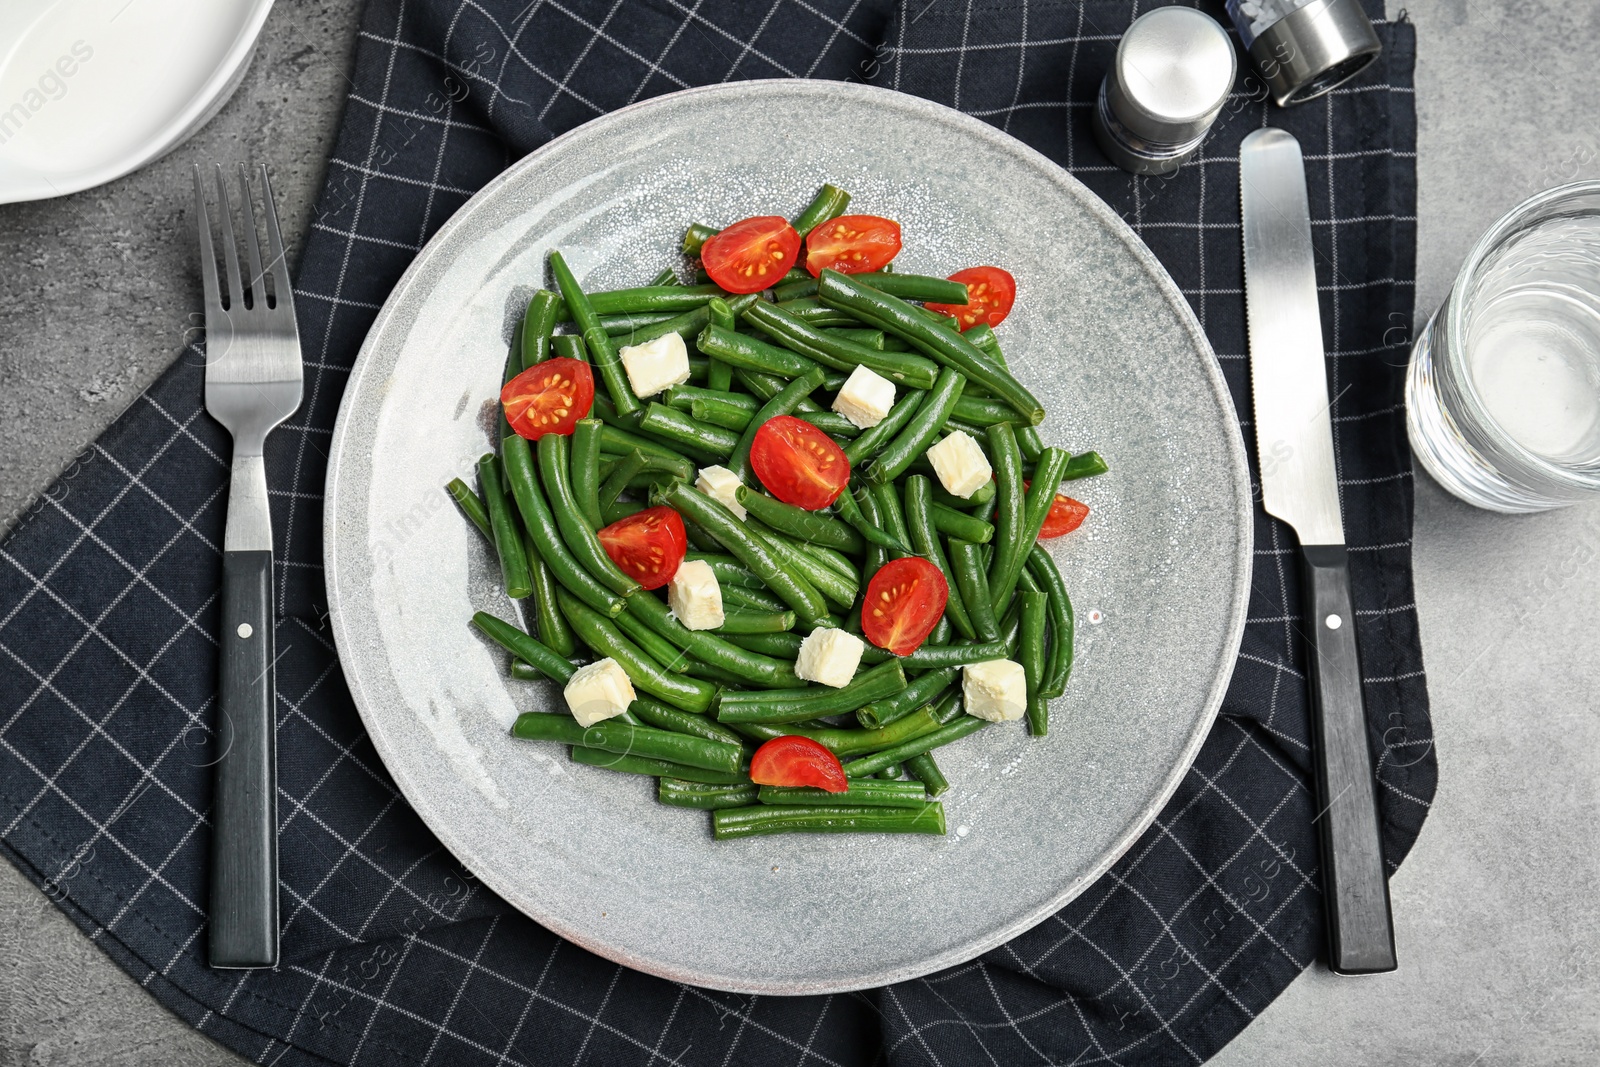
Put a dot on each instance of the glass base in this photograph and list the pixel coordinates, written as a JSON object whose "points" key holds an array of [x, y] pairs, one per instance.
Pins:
{"points": [[1446, 455]]}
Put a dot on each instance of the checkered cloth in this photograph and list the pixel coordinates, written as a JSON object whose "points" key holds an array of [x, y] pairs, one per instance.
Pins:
{"points": [[391, 953]]}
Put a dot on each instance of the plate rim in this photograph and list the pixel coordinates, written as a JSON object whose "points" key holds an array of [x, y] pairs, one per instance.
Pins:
{"points": [[1243, 555]]}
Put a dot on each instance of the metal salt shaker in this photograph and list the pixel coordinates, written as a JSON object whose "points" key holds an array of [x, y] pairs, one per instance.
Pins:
{"points": [[1304, 48], [1173, 72]]}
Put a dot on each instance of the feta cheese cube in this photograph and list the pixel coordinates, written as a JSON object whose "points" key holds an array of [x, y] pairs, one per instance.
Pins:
{"points": [[960, 464], [599, 691], [695, 596], [656, 365], [995, 689], [865, 398], [830, 656], [718, 483]]}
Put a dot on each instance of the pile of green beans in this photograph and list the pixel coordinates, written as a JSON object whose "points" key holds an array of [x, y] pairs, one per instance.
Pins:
{"points": [[707, 699]]}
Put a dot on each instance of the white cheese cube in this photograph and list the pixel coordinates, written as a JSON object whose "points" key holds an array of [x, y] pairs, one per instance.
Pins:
{"points": [[995, 689], [830, 656], [599, 691], [960, 464], [865, 398], [656, 365], [695, 596], [718, 483]]}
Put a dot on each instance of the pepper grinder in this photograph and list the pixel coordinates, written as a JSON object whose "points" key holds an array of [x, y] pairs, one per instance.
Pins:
{"points": [[1172, 74], [1305, 48]]}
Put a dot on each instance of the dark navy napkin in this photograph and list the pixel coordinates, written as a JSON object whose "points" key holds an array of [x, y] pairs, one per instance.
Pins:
{"points": [[391, 953]]}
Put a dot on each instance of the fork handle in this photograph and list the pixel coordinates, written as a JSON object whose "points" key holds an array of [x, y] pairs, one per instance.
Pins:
{"points": [[244, 844]]}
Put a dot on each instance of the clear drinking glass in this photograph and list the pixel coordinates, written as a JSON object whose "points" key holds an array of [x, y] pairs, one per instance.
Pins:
{"points": [[1503, 392]]}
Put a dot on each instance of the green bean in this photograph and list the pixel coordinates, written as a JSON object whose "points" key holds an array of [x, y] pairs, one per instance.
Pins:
{"points": [[876, 437], [696, 235], [681, 794], [981, 412], [891, 515], [799, 705], [892, 773], [666, 276], [894, 315], [841, 429], [756, 622], [626, 324], [620, 510], [619, 440], [685, 324], [1031, 654], [1029, 441], [549, 624], [781, 646], [782, 404], [709, 444], [515, 578], [682, 722], [829, 203], [602, 635], [846, 742], [1010, 557], [950, 707], [1010, 513], [585, 474], [545, 659], [925, 539], [920, 431], [742, 350], [706, 671], [852, 514], [627, 739], [869, 338], [922, 690], [761, 819], [581, 310], [471, 506], [929, 657], [655, 768], [538, 323], [756, 669], [983, 495], [835, 588], [569, 346], [867, 794], [925, 770], [1084, 465], [837, 352], [665, 654], [575, 530], [966, 564], [831, 557], [798, 522], [621, 474], [683, 397], [984, 340], [904, 286], [877, 555], [735, 598], [953, 523], [944, 735], [637, 299], [1048, 576], [730, 572]]}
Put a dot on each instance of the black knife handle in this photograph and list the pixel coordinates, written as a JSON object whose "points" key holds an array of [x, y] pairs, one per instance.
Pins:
{"points": [[1355, 888], [244, 830]]}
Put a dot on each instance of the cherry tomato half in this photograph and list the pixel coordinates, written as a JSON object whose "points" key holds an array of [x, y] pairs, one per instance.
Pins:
{"points": [[904, 602], [648, 545], [852, 244], [1066, 515], [751, 255], [798, 463], [549, 397], [990, 294], [797, 761]]}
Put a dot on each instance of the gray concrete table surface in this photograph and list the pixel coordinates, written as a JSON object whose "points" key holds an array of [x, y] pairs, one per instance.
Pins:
{"points": [[1495, 910]]}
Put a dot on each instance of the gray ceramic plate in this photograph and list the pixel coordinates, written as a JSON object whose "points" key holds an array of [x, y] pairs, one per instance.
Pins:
{"points": [[1099, 332]]}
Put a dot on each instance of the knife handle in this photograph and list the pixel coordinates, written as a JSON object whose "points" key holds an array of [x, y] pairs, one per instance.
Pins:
{"points": [[244, 830], [1355, 888]]}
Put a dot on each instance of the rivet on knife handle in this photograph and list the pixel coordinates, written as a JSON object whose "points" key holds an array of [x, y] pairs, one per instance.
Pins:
{"points": [[1294, 441]]}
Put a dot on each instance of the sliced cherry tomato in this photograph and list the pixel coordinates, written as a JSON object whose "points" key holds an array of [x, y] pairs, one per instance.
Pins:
{"points": [[798, 463], [549, 397], [852, 244], [904, 602], [1066, 515], [751, 255], [648, 545], [990, 294], [797, 761]]}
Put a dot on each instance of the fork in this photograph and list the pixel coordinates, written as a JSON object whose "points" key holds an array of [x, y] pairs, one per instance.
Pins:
{"points": [[253, 383]]}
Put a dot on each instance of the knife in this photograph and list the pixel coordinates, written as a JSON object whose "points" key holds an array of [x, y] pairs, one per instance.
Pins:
{"points": [[1294, 442]]}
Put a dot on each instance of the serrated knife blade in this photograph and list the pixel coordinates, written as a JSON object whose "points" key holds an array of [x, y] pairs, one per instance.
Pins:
{"points": [[1299, 484]]}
